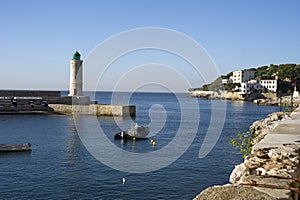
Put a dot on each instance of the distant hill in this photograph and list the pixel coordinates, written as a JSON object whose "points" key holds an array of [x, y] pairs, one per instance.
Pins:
{"points": [[286, 74]]}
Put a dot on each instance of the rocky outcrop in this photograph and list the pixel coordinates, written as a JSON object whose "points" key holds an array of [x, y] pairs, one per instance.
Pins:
{"points": [[283, 101], [206, 94], [262, 127], [256, 97], [233, 192], [217, 95], [271, 171]]}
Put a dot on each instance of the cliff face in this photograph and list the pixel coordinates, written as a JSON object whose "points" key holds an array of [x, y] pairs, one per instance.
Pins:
{"points": [[271, 171]]}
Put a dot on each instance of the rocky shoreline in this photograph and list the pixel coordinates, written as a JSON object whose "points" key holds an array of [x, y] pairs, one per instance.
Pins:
{"points": [[266, 99], [283, 101], [271, 171]]}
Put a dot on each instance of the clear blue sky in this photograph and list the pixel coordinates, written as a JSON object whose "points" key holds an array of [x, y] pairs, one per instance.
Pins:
{"points": [[39, 37]]}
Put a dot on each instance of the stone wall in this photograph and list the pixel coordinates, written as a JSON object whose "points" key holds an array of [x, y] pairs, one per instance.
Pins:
{"points": [[29, 93], [95, 109]]}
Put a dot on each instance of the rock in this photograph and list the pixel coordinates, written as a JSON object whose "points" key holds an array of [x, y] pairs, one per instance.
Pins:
{"points": [[260, 154], [276, 193], [289, 167], [287, 162], [276, 116], [272, 172], [267, 121], [294, 160], [254, 162], [237, 173], [272, 165], [275, 155], [261, 171], [233, 192], [284, 173]]}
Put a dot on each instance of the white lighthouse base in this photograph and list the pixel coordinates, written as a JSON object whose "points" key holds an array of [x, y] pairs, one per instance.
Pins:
{"points": [[81, 100], [295, 94]]}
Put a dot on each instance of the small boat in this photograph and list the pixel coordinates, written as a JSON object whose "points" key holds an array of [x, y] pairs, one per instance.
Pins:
{"points": [[15, 147], [136, 132]]}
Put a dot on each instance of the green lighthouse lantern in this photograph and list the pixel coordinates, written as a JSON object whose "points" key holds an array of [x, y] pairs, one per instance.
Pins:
{"points": [[76, 56]]}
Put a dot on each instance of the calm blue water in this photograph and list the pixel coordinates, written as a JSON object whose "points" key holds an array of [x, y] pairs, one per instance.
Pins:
{"points": [[59, 166]]}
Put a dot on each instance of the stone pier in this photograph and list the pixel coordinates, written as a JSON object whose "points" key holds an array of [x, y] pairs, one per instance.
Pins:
{"points": [[272, 170], [95, 109]]}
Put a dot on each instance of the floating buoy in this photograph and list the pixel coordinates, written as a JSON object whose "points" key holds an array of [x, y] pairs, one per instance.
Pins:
{"points": [[123, 180], [153, 142]]}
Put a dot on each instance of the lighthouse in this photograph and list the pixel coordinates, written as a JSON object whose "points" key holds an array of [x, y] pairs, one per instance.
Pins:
{"points": [[76, 81]]}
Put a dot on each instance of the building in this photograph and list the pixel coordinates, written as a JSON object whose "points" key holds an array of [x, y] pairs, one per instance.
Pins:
{"points": [[241, 76], [76, 81], [258, 86], [268, 85]]}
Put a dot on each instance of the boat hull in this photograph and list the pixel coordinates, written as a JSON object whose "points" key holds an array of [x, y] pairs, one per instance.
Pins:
{"points": [[15, 147], [140, 132]]}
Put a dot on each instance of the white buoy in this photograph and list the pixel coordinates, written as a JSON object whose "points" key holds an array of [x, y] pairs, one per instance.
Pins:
{"points": [[123, 180]]}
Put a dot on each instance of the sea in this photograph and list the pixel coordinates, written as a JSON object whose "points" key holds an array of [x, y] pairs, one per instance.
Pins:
{"points": [[61, 167]]}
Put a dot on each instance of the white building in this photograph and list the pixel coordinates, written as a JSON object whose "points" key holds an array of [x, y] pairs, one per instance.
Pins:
{"points": [[268, 85], [259, 86], [241, 76]]}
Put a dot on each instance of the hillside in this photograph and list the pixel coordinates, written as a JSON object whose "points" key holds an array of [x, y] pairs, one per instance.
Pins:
{"points": [[286, 74]]}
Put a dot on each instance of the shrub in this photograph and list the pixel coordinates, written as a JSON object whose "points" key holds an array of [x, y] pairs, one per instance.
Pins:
{"points": [[243, 142]]}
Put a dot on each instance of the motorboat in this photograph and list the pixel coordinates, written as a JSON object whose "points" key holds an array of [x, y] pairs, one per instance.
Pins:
{"points": [[15, 147], [136, 132]]}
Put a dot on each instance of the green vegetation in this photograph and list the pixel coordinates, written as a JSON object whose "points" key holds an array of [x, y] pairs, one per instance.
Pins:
{"points": [[286, 74], [216, 85], [283, 71], [230, 87], [243, 142]]}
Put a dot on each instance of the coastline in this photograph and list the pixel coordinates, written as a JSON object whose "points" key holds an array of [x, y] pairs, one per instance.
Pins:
{"points": [[271, 171], [264, 99]]}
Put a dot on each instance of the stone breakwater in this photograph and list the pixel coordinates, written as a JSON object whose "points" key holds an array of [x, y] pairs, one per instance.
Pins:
{"points": [[272, 170]]}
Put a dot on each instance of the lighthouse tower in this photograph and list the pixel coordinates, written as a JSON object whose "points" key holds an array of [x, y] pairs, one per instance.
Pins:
{"points": [[76, 75]]}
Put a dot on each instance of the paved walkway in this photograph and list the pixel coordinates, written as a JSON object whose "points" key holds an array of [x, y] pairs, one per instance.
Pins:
{"points": [[287, 132]]}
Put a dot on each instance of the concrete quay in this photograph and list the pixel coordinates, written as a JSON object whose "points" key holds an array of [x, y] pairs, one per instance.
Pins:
{"points": [[272, 170], [49, 102], [95, 109]]}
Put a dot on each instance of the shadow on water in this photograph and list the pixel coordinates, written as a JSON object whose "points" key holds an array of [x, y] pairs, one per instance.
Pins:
{"points": [[15, 154]]}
